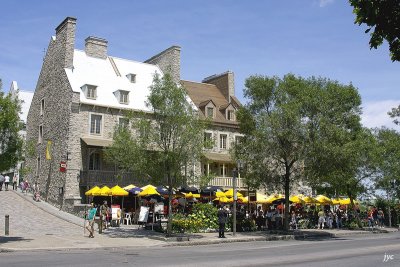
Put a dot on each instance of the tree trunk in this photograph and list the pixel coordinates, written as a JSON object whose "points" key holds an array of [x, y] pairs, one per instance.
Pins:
{"points": [[169, 226], [352, 208], [287, 207]]}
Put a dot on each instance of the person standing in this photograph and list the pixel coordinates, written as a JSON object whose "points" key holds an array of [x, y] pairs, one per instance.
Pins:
{"points": [[15, 181], [1, 181], [321, 219], [104, 214], [222, 215], [90, 217], [6, 182]]}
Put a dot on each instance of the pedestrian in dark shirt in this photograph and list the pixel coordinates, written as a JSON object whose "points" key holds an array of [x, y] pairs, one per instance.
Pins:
{"points": [[222, 215]]}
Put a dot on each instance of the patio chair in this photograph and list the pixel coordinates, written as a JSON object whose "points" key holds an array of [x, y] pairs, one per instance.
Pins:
{"points": [[127, 219]]}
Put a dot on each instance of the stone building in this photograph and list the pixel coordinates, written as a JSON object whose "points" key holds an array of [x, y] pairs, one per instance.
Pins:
{"points": [[81, 96], [215, 98]]}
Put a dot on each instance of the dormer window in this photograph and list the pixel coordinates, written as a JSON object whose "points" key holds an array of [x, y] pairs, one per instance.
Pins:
{"points": [[122, 96], [131, 77], [210, 112], [90, 91], [230, 115]]}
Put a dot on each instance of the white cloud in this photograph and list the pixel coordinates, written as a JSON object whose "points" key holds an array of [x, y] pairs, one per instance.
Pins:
{"points": [[323, 3], [375, 113]]}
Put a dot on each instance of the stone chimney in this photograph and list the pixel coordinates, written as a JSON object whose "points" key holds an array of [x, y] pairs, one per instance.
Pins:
{"points": [[169, 61], [96, 47], [225, 83], [65, 37]]}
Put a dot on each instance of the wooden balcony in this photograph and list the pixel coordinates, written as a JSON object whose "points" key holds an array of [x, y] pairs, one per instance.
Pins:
{"points": [[227, 182]]}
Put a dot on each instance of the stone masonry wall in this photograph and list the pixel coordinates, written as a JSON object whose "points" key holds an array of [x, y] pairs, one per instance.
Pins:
{"points": [[53, 87]]}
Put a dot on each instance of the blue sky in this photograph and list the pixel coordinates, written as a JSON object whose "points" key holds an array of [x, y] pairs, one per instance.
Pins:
{"points": [[307, 38]]}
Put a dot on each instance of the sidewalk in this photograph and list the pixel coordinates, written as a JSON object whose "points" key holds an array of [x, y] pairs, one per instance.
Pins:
{"points": [[134, 236]]}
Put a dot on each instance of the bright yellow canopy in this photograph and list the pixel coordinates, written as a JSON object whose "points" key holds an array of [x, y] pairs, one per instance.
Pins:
{"points": [[220, 194], [272, 198], [148, 191], [224, 199], [147, 186], [118, 191], [243, 199], [296, 199], [128, 187], [346, 201], [104, 191], [191, 195], [92, 190], [309, 200], [324, 200], [229, 193]]}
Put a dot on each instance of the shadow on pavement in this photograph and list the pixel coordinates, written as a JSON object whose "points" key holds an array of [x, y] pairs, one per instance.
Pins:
{"points": [[9, 239]]}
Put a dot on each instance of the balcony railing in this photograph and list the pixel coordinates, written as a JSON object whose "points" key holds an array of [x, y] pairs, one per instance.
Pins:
{"points": [[227, 182], [109, 178]]}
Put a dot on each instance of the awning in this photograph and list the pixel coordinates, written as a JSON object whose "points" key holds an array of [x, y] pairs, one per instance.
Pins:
{"points": [[92, 141], [217, 157]]}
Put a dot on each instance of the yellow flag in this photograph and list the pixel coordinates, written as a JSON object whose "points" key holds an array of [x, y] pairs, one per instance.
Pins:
{"points": [[48, 150]]}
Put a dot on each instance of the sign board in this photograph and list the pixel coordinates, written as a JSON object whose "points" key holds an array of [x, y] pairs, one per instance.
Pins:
{"points": [[253, 196], [144, 214], [63, 166], [114, 212], [159, 208]]}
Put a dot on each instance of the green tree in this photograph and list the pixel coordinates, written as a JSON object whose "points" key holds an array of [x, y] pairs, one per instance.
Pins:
{"points": [[162, 144], [389, 167], [10, 125], [383, 18], [290, 127], [395, 113]]}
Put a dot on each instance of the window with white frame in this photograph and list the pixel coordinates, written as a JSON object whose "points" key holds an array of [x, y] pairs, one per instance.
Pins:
{"points": [[210, 112], [238, 139], [222, 141], [42, 107], [91, 91], [94, 161], [208, 140], [123, 97], [96, 124], [131, 77], [230, 115], [40, 139], [222, 170]]}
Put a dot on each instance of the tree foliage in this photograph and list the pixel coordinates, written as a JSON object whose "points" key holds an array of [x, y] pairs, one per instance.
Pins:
{"points": [[163, 144], [10, 125], [395, 114], [298, 130], [383, 20]]}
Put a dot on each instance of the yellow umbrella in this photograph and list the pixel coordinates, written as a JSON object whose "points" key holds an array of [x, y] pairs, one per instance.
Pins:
{"points": [[147, 186], [346, 201], [229, 193], [224, 199], [148, 192], [118, 191], [272, 198], [92, 190], [104, 191], [128, 187], [191, 195], [309, 200], [296, 199], [220, 194], [324, 200], [335, 201], [243, 199]]}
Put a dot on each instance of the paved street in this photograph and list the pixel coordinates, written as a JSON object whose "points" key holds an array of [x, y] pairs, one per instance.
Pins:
{"points": [[351, 251], [41, 235]]}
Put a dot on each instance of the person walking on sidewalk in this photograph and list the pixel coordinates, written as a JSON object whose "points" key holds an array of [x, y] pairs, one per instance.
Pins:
{"points": [[1, 181], [90, 223], [6, 181], [15, 181], [222, 215]]}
